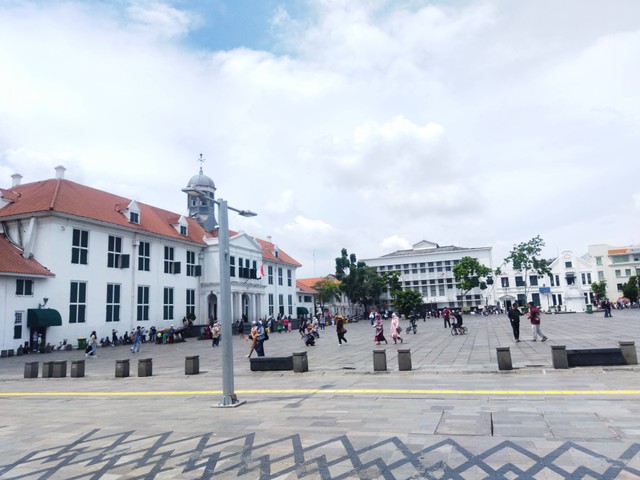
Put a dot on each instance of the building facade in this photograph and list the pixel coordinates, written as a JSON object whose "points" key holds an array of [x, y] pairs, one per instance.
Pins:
{"points": [[615, 265], [428, 268], [567, 288], [74, 259]]}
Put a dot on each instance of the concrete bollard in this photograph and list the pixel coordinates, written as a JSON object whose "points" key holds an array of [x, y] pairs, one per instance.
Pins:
{"points": [[4, 353], [192, 365], [31, 370], [404, 359], [559, 356], [47, 369], [145, 367], [77, 368], [379, 360], [59, 369], [11, 352], [504, 358], [300, 362], [629, 352], [122, 368]]}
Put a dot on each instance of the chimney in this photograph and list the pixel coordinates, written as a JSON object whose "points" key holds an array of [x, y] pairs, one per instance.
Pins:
{"points": [[269, 239], [60, 172], [16, 179]]}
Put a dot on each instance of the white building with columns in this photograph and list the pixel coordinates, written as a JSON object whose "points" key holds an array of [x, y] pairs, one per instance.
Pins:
{"points": [[74, 259]]}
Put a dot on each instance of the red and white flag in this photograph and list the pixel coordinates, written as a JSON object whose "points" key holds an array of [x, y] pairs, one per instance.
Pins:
{"points": [[261, 271]]}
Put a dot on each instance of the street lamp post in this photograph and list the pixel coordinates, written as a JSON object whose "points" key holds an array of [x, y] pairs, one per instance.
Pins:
{"points": [[229, 398]]}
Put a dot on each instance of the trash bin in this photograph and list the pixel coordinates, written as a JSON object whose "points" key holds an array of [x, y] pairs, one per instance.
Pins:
{"points": [[82, 343], [589, 308]]}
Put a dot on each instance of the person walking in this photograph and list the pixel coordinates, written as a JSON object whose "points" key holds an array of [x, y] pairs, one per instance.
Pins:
{"points": [[253, 335], [340, 330], [93, 343], [514, 317], [534, 317], [137, 340], [216, 331], [446, 315], [396, 330], [241, 328], [379, 327], [261, 336], [607, 308]]}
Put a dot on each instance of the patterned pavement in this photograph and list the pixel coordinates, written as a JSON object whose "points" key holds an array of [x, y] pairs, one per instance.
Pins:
{"points": [[453, 416]]}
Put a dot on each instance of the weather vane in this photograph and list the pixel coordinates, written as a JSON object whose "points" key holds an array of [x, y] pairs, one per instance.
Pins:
{"points": [[201, 160]]}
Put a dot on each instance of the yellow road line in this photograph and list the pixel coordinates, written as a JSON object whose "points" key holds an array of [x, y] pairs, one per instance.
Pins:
{"points": [[326, 391]]}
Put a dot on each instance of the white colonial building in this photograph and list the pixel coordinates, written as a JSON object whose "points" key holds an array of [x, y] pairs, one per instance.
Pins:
{"points": [[567, 288], [428, 268], [74, 259]]}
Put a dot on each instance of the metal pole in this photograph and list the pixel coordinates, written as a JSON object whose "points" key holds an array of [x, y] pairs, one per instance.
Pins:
{"points": [[229, 398]]}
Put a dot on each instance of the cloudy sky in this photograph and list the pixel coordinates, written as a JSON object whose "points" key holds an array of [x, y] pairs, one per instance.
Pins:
{"points": [[364, 124]]}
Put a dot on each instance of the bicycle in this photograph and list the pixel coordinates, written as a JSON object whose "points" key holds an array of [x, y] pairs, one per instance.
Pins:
{"points": [[459, 330]]}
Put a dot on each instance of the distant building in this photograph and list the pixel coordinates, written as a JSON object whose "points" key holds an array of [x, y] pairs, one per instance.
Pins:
{"points": [[568, 288], [427, 268], [75, 259], [615, 265], [337, 306]]}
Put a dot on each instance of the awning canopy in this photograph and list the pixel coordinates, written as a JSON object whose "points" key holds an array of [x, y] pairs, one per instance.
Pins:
{"points": [[302, 310], [43, 317]]}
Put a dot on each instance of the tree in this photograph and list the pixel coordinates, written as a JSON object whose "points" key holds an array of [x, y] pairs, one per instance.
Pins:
{"points": [[406, 301], [630, 290], [525, 258], [328, 291], [470, 274], [359, 282], [599, 289]]}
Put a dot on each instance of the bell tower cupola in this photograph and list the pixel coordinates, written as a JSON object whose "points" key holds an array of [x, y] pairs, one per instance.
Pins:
{"points": [[201, 195]]}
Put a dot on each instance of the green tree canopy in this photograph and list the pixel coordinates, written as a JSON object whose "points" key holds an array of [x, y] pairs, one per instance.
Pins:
{"points": [[525, 258], [599, 289], [359, 282], [328, 291], [470, 274], [630, 290], [406, 301]]}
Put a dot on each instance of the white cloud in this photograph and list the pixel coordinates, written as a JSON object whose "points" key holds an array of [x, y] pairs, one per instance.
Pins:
{"points": [[482, 123], [394, 243]]}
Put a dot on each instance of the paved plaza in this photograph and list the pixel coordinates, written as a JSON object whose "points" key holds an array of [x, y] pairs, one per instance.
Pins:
{"points": [[454, 415]]}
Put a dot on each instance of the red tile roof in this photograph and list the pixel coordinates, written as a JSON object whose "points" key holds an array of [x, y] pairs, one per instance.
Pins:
{"points": [[67, 197], [12, 261], [310, 282], [304, 288], [268, 249]]}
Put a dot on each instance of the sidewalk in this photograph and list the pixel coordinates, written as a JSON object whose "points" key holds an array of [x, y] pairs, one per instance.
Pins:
{"points": [[453, 416]]}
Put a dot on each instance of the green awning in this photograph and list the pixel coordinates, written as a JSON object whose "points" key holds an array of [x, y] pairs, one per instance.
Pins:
{"points": [[43, 317], [302, 310]]}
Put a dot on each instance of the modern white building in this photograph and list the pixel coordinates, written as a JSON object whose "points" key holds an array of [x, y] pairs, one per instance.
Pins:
{"points": [[428, 268], [615, 265], [568, 288], [74, 259]]}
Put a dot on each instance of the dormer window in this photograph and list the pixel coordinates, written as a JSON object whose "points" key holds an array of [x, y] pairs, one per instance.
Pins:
{"points": [[132, 212], [181, 226]]}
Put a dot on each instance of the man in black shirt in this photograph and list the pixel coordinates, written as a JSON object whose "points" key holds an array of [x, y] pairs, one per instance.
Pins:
{"points": [[514, 317]]}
